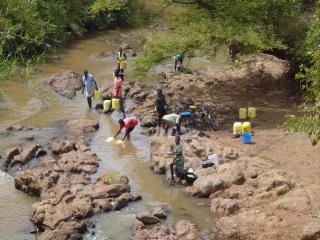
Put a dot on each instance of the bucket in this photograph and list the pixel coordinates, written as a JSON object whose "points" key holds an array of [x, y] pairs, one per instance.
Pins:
{"points": [[246, 137], [115, 103], [246, 127], [106, 105], [237, 128], [242, 113], [252, 112], [96, 95], [123, 65]]}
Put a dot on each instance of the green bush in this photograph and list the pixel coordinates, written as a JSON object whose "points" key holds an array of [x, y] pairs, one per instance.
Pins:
{"points": [[29, 28]]}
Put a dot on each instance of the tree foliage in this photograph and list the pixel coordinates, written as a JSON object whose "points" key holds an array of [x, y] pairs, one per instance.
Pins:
{"points": [[31, 27], [257, 26], [309, 78]]}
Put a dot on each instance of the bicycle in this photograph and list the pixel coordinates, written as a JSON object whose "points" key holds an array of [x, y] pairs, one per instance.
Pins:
{"points": [[197, 116], [203, 117]]}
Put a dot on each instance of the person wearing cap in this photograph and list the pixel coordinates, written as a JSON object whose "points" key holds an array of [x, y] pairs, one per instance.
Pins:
{"points": [[177, 164], [171, 120], [161, 106], [129, 124], [89, 84]]}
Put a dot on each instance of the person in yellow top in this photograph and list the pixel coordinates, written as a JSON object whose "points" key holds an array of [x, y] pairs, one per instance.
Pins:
{"points": [[121, 57]]}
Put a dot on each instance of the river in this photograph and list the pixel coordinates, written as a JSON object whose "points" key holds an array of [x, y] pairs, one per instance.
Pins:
{"points": [[32, 103]]}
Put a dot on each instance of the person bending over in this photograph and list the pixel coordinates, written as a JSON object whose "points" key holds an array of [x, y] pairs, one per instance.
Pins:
{"points": [[129, 124], [171, 120], [178, 61]]}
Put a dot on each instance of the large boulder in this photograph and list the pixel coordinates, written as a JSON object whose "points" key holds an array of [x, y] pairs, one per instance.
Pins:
{"points": [[78, 161], [66, 83], [122, 201], [65, 231], [27, 182], [147, 217], [186, 230], [205, 185], [60, 146], [158, 232], [21, 154], [224, 206], [159, 213], [148, 122], [78, 127]]}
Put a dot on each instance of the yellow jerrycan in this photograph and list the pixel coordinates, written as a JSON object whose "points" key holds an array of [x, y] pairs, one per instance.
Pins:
{"points": [[246, 127], [106, 105], [115, 103], [237, 128], [242, 113], [252, 112], [123, 65], [96, 95]]}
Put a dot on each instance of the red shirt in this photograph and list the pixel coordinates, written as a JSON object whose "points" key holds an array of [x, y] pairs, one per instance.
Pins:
{"points": [[130, 122]]}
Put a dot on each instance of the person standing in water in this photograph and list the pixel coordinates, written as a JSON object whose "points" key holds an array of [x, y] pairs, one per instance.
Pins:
{"points": [[129, 124], [121, 57], [89, 84], [117, 90]]}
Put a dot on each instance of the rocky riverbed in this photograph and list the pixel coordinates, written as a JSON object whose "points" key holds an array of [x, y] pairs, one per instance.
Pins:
{"points": [[68, 196]]}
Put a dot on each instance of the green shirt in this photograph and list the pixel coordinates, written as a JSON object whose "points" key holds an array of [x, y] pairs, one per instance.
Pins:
{"points": [[179, 160], [178, 57]]}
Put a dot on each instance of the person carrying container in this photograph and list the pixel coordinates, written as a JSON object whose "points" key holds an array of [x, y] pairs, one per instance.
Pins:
{"points": [[177, 165], [117, 90], [89, 84], [161, 106], [129, 124], [172, 120], [178, 61], [121, 58]]}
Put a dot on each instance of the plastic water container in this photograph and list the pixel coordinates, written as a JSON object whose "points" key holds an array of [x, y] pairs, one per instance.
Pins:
{"points": [[123, 65], [237, 128], [246, 127], [185, 114], [252, 112], [214, 158], [246, 137], [106, 105], [96, 95], [115, 103], [242, 113]]}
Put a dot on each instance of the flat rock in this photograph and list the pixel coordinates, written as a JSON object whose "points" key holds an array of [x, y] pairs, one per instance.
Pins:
{"points": [[159, 213], [147, 217], [65, 83], [205, 185]]}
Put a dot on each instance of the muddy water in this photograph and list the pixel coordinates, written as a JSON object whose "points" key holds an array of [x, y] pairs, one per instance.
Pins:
{"points": [[35, 104]]}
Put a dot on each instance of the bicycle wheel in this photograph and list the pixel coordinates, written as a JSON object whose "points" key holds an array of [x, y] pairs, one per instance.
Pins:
{"points": [[190, 124], [214, 124]]}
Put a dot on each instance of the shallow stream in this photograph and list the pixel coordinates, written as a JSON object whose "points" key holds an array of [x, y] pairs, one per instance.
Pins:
{"points": [[34, 104]]}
